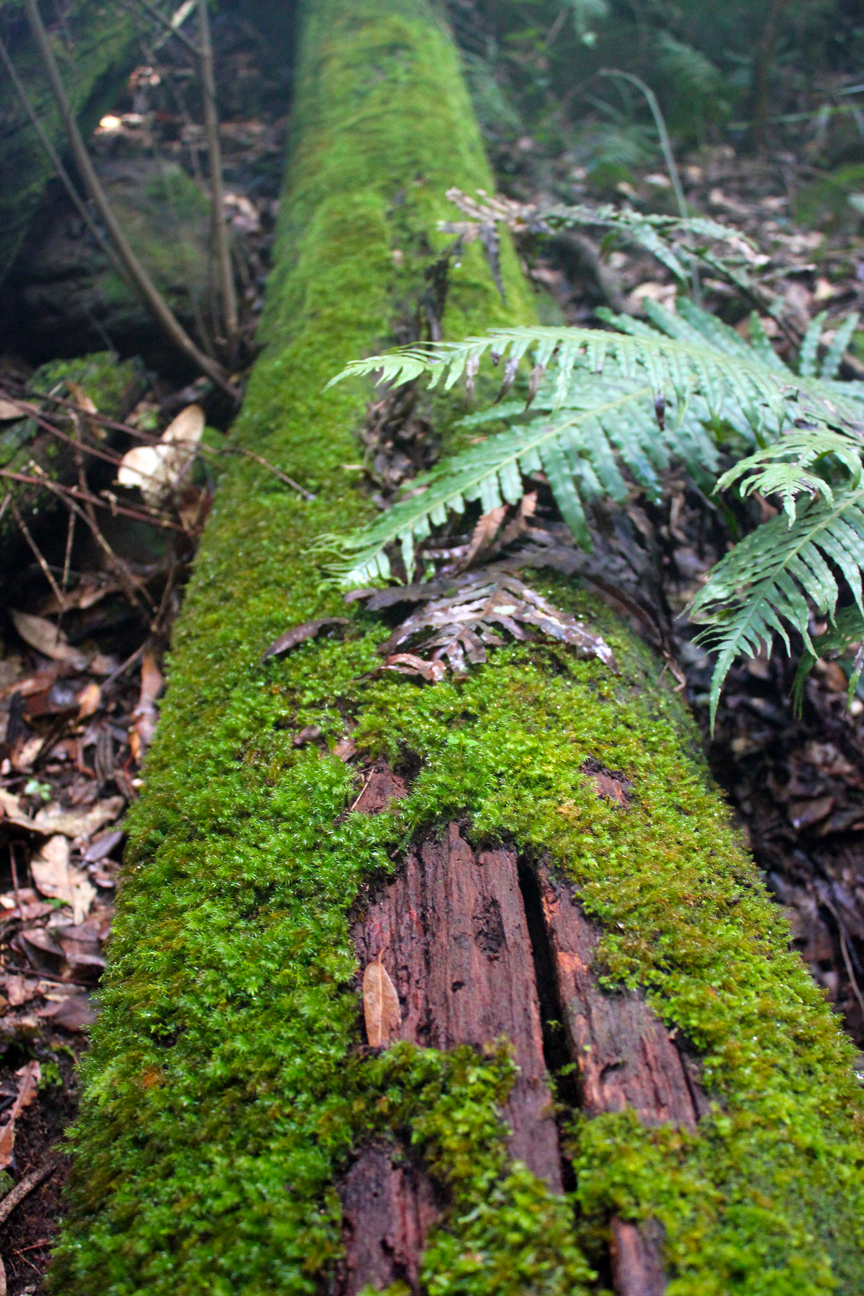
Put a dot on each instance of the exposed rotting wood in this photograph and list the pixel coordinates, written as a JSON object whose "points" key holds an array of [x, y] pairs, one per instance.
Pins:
{"points": [[455, 940], [388, 1208], [470, 953], [626, 1056], [381, 787], [612, 785], [637, 1269]]}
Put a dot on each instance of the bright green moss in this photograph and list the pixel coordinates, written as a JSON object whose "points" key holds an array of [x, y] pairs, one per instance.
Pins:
{"points": [[223, 1093]]}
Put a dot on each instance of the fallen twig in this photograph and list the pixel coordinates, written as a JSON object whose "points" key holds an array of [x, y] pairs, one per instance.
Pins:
{"points": [[145, 285], [84, 497], [24, 1187]]}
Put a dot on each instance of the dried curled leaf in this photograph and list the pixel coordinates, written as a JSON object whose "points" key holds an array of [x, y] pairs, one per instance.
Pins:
{"points": [[29, 1076], [160, 470], [44, 636], [380, 1004], [465, 615], [299, 634]]}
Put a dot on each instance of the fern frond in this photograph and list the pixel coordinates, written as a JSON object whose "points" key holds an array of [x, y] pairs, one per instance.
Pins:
{"points": [[576, 453], [668, 238], [847, 630], [784, 468], [764, 584], [810, 346], [674, 366], [842, 338]]}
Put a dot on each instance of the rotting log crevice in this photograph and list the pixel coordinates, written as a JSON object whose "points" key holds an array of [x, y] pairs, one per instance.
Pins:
{"points": [[480, 945]]}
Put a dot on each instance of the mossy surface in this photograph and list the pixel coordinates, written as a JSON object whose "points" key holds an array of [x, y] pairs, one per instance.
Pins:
{"points": [[224, 1090]]}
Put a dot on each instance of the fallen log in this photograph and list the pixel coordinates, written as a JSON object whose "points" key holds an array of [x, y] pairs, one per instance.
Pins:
{"points": [[607, 1068]]}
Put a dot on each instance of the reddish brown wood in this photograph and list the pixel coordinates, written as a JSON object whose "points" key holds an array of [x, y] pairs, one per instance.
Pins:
{"points": [[381, 787], [626, 1056], [387, 1212], [636, 1264], [454, 936], [455, 940]]}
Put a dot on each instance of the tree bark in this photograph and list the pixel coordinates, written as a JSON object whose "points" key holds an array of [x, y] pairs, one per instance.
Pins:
{"points": [[607, 1068]]}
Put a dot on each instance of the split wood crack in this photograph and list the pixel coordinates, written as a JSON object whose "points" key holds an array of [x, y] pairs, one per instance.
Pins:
{"points": [[480, 945]]}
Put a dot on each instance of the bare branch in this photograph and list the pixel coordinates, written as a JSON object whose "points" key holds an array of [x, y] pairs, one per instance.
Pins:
{"points": [[148, 290], [220, 231]]}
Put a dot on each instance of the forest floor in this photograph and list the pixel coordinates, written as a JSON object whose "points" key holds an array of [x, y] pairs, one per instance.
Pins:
{"points": [[79, 704]]}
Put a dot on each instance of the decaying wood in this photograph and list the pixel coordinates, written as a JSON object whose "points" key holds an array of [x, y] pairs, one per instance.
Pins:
{"points": [[626, 1056], [454, 931], [380, 788], [637, 1269], [388, 1208], [453, 925]]}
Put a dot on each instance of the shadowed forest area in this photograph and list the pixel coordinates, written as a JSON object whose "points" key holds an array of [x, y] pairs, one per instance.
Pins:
{"points": [[544, 645]]}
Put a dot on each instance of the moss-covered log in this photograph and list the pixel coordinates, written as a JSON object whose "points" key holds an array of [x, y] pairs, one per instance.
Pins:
{"points": [[229, 1097], [96, 46]]}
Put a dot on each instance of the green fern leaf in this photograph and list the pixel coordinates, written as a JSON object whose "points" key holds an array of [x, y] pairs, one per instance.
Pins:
{"points": [[842, 338], [763, 585], [847, 630]]}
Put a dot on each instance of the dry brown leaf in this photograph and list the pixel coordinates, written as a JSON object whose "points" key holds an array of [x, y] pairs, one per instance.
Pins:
{"points": [[145, 716], [20, 990], [380, 1004], [72, 1012], [483, 535], [24, 753], [76, 823], [44, 636], [56, 878], [30, 1075], [11, 810], [9, 410], [160, 470], [89, 700], [299, 634], [81, 399]]}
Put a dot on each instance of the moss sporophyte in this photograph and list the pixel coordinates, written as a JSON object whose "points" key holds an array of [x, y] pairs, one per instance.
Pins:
{"points": [[225, 1090]]}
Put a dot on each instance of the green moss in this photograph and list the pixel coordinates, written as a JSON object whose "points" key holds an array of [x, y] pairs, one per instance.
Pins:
{"points": [[223, 1091]]}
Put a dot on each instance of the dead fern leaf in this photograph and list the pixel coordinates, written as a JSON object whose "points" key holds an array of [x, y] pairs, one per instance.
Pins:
{"points": [[465, 615]]}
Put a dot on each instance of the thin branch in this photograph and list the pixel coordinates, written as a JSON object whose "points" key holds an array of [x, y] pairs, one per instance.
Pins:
{"points": [[154, 299], [83, 496], [127, 578], [220, 229], [30, 1181], [171, 28], [46, 570], [277, 472], [79, 204], [31, 412]]}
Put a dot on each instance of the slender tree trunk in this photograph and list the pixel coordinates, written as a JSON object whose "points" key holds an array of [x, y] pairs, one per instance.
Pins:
{"points": [[760, 83], [534, 856]]}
